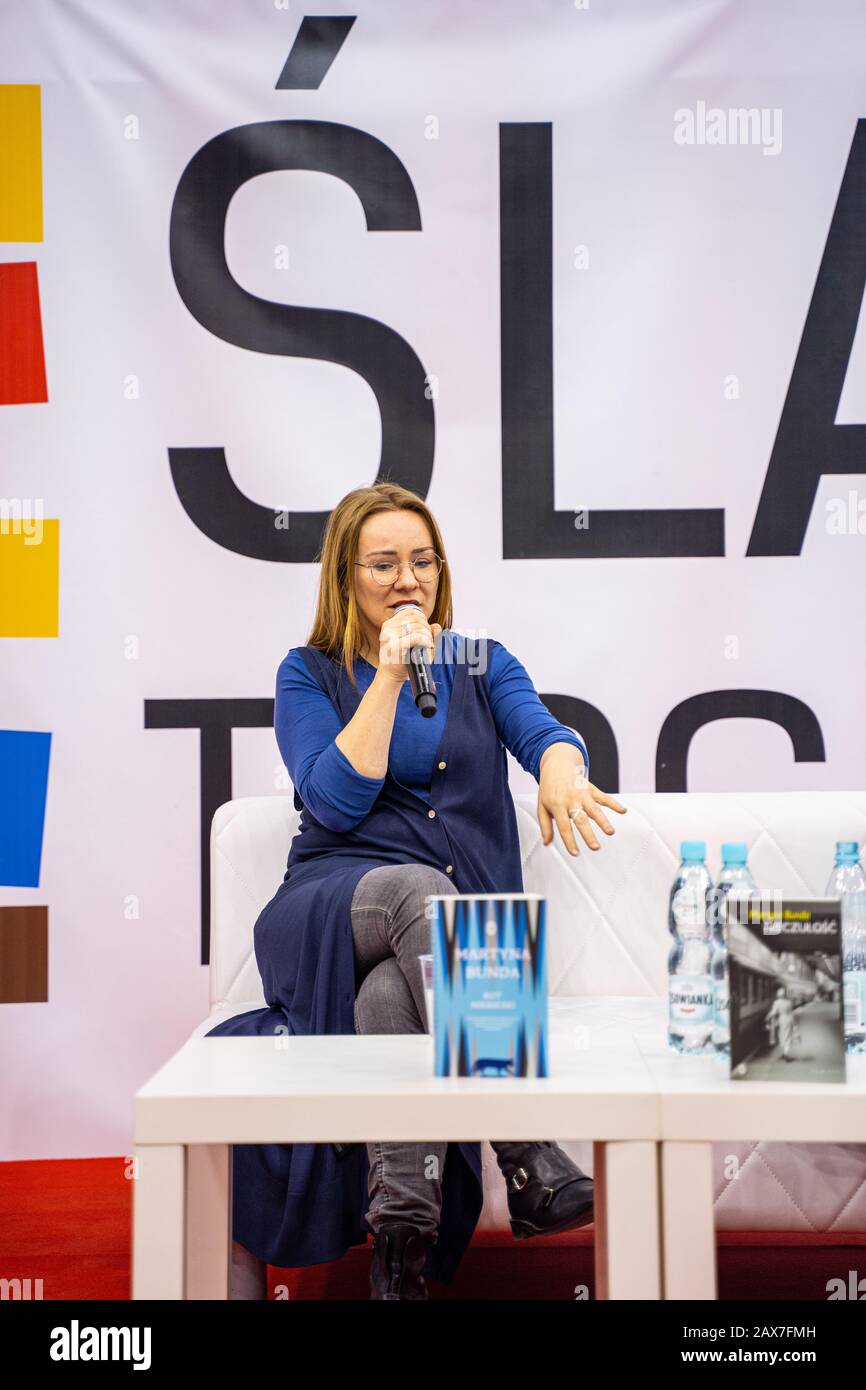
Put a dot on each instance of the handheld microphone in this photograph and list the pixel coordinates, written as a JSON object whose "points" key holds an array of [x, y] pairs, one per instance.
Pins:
{"points": [[423, 685]]}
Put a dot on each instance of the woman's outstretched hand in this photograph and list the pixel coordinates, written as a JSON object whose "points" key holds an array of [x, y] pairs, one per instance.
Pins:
{"points": [[565, 795]]}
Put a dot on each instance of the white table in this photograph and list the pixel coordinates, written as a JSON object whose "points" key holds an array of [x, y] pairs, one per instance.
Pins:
{"points": [[700, 1104], [215, 1092], [653, 1117]]}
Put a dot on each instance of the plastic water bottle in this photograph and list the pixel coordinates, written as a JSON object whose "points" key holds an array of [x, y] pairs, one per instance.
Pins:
{"points": [[736, 881], [848, 882], [690, 983]]}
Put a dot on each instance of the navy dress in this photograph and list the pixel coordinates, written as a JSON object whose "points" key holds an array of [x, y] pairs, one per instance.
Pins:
{"points": [[302, 1204]]}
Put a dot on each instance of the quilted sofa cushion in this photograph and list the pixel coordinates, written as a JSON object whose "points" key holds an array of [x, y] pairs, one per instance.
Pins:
{"points": [[608, 935]]}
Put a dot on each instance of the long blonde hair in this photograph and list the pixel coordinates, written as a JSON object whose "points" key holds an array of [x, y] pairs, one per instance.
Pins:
{"points": [[337, 627]]}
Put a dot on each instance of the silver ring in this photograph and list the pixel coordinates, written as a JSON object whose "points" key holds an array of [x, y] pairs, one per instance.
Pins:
{"points": [[405, 628]]}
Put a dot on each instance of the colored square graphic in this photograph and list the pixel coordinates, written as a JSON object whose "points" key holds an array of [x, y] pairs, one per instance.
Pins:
{"points": [[29, 576], [24, 955], [22, 356], [23, 788], [20, 162]]}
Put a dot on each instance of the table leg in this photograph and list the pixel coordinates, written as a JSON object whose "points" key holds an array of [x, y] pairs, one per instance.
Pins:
{"points": [[208, 1220], [158, 1221], [627, 1220], [688, 1228]]}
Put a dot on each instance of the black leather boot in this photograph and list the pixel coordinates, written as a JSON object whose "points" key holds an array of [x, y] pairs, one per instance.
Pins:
{"points": [[399, 1260], [547, 1192]]}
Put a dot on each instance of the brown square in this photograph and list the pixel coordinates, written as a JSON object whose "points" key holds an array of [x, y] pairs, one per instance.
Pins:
{"points": [[23, 955]]}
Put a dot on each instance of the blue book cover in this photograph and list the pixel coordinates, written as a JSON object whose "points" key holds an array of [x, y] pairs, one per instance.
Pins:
{"points": [[490, 984]]}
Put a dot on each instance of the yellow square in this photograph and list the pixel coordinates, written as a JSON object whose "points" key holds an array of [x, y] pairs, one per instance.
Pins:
{"points": [[29, 575], [20, 162]]}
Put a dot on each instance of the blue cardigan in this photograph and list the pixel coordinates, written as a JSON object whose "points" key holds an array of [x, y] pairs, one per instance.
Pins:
{"points": [[306, 725], [302, 1204]]}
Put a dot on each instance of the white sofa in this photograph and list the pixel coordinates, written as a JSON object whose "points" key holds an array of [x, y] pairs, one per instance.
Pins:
{"points": [[608, 935]]}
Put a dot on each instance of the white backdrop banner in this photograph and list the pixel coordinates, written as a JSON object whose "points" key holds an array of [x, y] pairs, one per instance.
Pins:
{"points": [[587, 276]]}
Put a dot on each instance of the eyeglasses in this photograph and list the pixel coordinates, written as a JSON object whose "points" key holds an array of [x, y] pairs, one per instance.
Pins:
{"points": [[425, 568]]}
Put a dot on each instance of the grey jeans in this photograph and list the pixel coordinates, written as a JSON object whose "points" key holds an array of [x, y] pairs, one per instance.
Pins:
{"points": [[390, 931]]}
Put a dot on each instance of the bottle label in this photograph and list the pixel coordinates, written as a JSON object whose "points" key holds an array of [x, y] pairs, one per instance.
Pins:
{"points": [[722, 1004], [854, 986], [690, 999]]}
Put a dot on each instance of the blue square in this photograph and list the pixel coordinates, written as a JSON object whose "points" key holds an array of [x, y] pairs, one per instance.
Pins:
{"points": [[23, 789]]}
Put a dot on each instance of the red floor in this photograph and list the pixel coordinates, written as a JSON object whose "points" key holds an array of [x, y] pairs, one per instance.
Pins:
{"points": [[69, 1223]]}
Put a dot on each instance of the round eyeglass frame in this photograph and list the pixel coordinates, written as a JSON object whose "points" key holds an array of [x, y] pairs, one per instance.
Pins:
{"points": [[393, 565]]}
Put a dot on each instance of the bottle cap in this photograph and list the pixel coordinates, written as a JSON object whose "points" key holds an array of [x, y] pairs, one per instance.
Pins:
{"points": [[735, 852], [847, 851], [693, 851]]}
